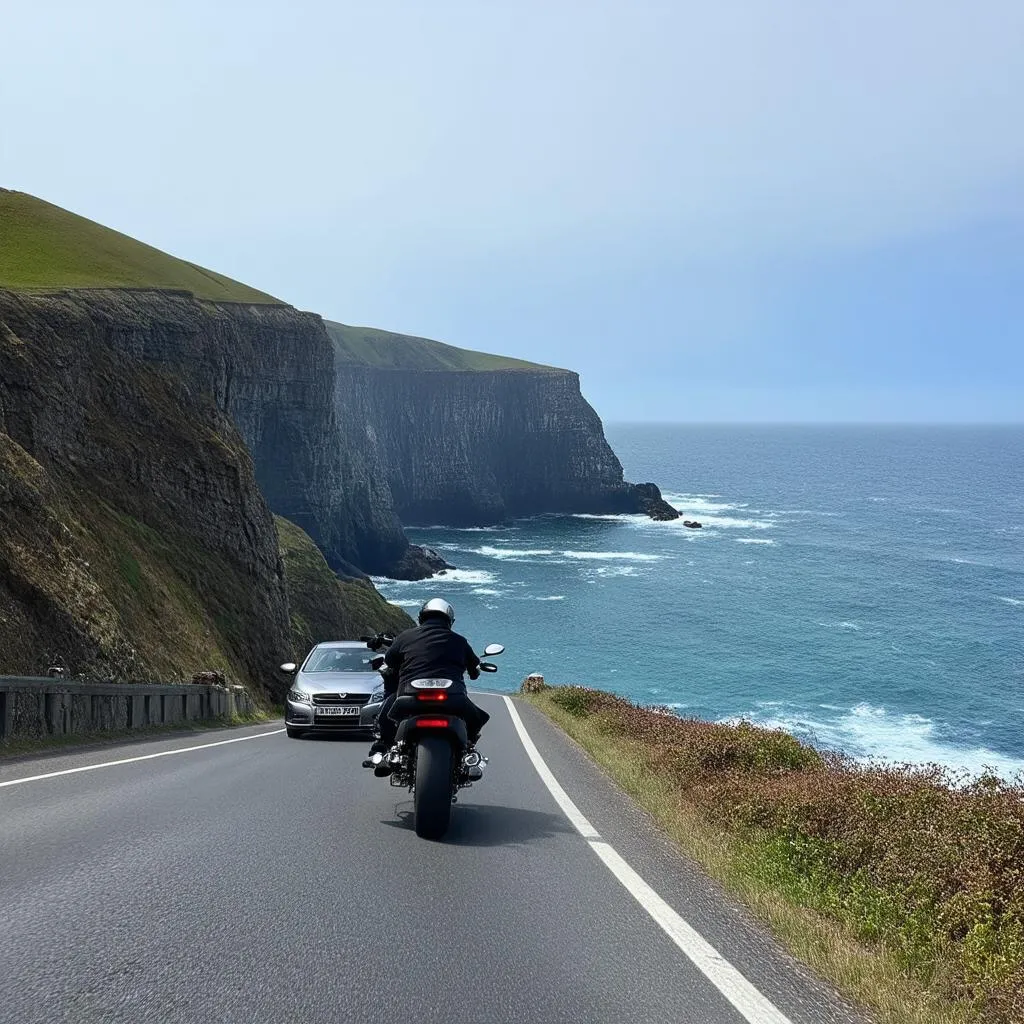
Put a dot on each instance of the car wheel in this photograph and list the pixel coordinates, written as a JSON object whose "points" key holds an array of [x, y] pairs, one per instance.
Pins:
{"points": [[293, 734]]}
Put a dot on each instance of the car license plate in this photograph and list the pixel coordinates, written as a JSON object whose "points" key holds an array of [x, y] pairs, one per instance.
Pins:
{"points": [[348, 710]]}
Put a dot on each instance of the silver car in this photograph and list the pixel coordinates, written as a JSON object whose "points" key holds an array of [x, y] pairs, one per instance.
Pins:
{"points": [[337, 688]]}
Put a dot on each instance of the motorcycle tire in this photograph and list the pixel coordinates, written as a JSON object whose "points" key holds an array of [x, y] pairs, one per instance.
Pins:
{"points": [[433, 797]]}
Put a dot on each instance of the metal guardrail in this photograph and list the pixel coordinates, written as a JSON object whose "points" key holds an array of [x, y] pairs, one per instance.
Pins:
{"points": [[35, 708]]}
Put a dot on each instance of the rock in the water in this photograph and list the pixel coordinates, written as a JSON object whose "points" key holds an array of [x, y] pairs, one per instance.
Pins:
{"points": [[692, 524], [651, 503], [420, 563]]}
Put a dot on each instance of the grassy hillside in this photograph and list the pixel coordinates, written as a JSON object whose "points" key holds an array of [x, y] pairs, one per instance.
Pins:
{"points": [[324, 607], [368, 346], [45, 248]]}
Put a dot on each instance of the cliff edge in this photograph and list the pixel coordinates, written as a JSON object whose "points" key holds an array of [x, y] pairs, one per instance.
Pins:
{"points": [[469, 439]]}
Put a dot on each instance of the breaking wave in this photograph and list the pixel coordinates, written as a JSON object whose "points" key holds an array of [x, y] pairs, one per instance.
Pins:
{"points": [[608, 556], [869, 733], [473, 577]]}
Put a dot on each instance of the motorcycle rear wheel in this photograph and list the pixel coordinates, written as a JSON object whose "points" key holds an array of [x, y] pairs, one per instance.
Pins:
{"points": [[433, 797]]}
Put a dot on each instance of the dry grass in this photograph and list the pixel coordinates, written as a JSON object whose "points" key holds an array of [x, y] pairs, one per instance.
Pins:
{"points": [[902, 885]]}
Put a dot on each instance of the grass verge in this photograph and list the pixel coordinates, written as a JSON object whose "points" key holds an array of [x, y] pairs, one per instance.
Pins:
{"points": [[900, 885]]}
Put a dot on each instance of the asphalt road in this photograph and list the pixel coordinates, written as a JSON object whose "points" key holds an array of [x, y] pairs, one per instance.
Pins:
{"points": [[274, 880]]}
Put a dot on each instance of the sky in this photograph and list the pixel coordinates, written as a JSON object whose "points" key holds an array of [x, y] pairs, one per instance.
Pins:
{"points": [[757, 210]]}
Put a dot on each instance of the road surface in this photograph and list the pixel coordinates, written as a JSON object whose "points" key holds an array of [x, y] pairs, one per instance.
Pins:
{"points": [[272, 880]]}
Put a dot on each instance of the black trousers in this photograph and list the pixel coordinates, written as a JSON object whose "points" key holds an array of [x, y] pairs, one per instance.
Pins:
{"points": [[457, 704]]}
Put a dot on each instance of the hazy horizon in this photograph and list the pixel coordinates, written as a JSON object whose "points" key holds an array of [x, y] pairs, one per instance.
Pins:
{"points": [[752, 213]]}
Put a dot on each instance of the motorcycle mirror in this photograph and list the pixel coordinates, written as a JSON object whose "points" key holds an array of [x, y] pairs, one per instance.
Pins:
{"points": [[377, 661], [289, 666], [486, 666], [491, 650]]}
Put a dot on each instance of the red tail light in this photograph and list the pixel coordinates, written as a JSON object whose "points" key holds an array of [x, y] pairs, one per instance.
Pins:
{"points": [[432, 695], [432, 723]]}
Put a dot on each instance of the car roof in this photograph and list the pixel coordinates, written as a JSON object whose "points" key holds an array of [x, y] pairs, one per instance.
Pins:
{"points": [[341, 643]]}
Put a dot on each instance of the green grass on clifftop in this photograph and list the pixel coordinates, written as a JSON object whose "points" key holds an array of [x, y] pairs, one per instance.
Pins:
{"points": [[369, 346], [46, 248]]}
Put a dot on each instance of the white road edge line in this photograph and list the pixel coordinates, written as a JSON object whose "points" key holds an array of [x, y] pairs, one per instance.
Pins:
{"points": [[746, 999], [131, 760]]}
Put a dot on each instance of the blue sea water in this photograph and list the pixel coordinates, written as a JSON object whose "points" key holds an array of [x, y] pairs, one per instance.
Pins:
{"points": [[861, 587]]}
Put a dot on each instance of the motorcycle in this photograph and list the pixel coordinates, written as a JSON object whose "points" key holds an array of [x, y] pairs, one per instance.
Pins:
{"points": [[431, 756]]}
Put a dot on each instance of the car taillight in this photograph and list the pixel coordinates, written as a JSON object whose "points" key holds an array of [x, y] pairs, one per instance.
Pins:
{"points": [[432, 695], [432, 723]]}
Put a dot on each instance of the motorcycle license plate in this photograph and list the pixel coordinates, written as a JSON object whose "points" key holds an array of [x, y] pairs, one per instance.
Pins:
{"points": [[337, 711]]}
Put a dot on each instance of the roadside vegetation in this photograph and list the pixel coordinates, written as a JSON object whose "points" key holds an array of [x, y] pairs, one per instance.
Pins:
{"points": [[904, 885], [46, 248]]}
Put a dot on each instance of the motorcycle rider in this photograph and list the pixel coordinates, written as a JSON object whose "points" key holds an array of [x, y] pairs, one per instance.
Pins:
{"points": [[430, 650]]}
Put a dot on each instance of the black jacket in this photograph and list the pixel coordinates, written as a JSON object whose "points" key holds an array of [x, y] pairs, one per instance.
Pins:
{"points": [[432, 650]]}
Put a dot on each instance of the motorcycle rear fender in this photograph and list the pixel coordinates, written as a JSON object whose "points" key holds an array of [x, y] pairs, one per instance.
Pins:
{"points": [[455, 733]]}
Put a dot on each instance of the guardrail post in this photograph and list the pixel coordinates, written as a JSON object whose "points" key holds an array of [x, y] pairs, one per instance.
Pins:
{"points": [[6, 704]]}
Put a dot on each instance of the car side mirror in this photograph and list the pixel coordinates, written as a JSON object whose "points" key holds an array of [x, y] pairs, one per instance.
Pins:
{"points": [[486, 666], [493, 649], [289, 667]]}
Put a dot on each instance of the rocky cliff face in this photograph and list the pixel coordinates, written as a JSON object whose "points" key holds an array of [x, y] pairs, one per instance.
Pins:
{"points": [[134, 541], [270, 369], [471, 448]]}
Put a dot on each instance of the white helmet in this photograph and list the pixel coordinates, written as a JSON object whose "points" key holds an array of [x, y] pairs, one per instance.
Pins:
{"points": [[437, 606]]}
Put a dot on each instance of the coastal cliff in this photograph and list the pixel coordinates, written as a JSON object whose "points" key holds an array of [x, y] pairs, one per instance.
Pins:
{"points": [[155, 416], [134, 541], [267, 367], [466, 439]]}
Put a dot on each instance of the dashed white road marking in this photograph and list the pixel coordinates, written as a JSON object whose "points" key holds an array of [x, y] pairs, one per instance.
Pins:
{"points": [[745, 998], [131, 760]]}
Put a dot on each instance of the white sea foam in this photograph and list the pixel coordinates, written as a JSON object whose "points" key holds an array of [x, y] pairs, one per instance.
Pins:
{"points": [[620, 517], [609, 556], [512, 554], [871, 734], [616, 570], [725, 523], [486, 592], [459, 529], [841, 625], [406, 604], [701, 503], [1011, 600], [795, 512], [754, 540], [474, 577], [555, 597], [679, 497]]}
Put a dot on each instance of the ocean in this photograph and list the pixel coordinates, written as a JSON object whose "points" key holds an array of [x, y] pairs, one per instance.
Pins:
{"points": [[861, 587]]}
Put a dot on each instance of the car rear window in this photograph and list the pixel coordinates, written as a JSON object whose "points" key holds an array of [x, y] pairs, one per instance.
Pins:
{"points": [[338, 659]]}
